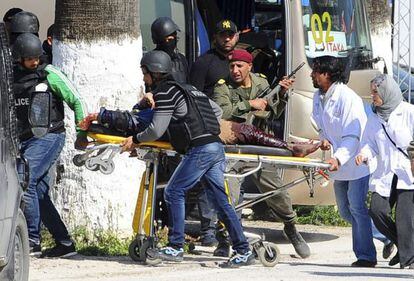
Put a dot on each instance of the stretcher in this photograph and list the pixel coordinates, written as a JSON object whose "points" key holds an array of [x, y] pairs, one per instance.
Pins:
{"points": [[241, 161]]}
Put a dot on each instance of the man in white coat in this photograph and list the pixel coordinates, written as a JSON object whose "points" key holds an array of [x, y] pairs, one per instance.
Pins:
{"points": [[387, 136], [339, 113]]}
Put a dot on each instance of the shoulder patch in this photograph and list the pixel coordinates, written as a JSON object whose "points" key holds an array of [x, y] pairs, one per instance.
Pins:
{"points": [[262, 75], [221, 81]]}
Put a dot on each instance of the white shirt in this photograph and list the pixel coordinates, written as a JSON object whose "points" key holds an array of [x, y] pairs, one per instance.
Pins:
{"points": [[390, 160], [341, 119]]}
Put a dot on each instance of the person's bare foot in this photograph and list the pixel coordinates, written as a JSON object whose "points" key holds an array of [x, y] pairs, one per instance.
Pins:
{"points": [[301, 149]]}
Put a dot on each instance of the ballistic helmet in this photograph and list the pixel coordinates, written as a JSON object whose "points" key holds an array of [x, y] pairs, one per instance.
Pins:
{"points": [[157, 62], [24, 22], [161, 28], [10, 13], [27, 45]]}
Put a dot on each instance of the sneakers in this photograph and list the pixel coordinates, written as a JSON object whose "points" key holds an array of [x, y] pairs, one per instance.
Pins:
{"points": [[222, 250], [387, 250], [301, 248], [238, 260], [35, 250], [171, 254], [60, 251], [364, 263]]}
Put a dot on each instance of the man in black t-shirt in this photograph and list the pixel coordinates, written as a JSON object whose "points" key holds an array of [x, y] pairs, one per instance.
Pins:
{"points": [[209, 68], [205, 72]]}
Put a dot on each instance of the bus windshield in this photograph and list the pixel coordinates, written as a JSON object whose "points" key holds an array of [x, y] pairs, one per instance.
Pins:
{"points": [[335, 28]]}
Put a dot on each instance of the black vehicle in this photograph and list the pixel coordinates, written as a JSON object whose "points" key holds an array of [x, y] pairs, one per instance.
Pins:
{"points": [[14, 243]]}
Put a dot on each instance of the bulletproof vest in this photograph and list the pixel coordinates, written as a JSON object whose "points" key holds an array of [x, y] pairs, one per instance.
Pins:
{"points": [[25, 82], [198, 125], [179, 69]]}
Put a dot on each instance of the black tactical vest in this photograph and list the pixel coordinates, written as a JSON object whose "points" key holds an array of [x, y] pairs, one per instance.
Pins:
{"points": [[199, 126], [25, 82]]}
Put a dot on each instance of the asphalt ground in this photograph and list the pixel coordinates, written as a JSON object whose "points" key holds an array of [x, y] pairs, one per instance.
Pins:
{"points": [[331, 257]]}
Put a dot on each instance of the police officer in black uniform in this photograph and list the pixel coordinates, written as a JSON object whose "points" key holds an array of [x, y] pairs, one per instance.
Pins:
{"points": [[164, 35], [205, 72], [209, 68]]}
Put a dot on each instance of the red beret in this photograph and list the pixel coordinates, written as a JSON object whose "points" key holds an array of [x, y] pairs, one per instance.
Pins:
{"points": [[241, 55]]}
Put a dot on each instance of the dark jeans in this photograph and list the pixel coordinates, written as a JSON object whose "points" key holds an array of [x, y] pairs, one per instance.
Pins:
{"points": [[41, 154], [281, 204], [401, 231], [205, 163]]}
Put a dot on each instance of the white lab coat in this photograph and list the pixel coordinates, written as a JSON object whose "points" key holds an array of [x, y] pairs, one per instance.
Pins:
{"points": [[390, 160], [341, 121]]}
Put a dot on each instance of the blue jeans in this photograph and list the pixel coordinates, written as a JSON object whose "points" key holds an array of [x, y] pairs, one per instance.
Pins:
{"points": [[205, 163], [41, 154], [350, 198]]}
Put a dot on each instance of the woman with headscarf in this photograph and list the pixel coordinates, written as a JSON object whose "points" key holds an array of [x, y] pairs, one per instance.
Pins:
{"points": [[387, 135]]}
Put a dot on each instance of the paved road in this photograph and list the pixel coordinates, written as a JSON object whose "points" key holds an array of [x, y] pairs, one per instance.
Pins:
{"points": [[330, 260]]}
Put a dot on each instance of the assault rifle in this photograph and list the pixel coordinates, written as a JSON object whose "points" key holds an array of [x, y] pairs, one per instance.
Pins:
{"points": [[271, 90]]}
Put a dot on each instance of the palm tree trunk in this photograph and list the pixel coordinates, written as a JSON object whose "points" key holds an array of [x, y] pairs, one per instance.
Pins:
{"points": [[97, 44]]}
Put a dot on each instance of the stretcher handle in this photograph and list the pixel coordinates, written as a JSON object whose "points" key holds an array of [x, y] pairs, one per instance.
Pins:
{"points": [[259, 166]]}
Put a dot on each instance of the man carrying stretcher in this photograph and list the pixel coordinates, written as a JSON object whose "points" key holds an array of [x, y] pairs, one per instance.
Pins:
{"points": [[166, 117], [190, 120]]}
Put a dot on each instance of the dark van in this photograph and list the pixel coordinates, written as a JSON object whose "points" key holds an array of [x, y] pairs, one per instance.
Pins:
{"points": [[14, 243]]}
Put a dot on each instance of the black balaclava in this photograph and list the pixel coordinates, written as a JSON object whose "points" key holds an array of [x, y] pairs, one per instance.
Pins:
{"points": [[168, 47]]}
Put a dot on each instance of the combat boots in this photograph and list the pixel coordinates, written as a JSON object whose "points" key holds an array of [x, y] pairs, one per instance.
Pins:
{"points": [[291, 233]]}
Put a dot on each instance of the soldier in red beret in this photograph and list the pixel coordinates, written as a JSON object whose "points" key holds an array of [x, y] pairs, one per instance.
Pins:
{"points": [[240, 99]]}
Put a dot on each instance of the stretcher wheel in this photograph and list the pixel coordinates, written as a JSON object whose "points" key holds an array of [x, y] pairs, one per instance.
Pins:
{"points": [[78, 160], [137, 250], [107, 168], [91, 166], [266, 259]]}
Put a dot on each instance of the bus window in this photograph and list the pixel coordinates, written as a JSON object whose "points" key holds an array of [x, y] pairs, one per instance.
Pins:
{"points": [[335, 28], [152, 9]]}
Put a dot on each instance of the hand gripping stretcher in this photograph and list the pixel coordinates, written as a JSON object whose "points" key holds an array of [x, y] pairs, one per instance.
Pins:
{"points": [[99, 156]]}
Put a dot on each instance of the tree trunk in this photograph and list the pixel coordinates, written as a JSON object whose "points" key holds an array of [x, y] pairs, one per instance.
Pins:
{"points": [[98, 46], [379, 16]]}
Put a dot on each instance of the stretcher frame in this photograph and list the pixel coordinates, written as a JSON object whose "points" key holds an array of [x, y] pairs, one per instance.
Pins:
{"points": [[99, 156]]}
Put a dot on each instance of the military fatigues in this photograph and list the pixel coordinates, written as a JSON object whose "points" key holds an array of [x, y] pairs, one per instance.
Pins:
{"points": [[234, 101]]}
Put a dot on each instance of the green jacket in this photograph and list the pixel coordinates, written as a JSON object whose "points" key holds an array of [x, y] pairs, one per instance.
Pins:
{"points": [[234, 101], [65, 91]]}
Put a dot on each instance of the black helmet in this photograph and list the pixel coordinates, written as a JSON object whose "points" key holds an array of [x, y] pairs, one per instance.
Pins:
{"points": [[161, 28], [27, 45], [157, 62], [24, 22], [10, 13]]}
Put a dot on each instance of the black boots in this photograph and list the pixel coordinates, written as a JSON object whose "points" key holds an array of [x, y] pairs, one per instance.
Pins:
{"points": [[301, 248]]}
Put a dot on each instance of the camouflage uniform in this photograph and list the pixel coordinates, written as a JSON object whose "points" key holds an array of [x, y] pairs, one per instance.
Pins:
{"points": [[233, 100]]}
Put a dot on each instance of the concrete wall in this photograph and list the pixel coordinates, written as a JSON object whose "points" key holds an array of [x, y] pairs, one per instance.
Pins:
{"points": [[44, 9]]}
